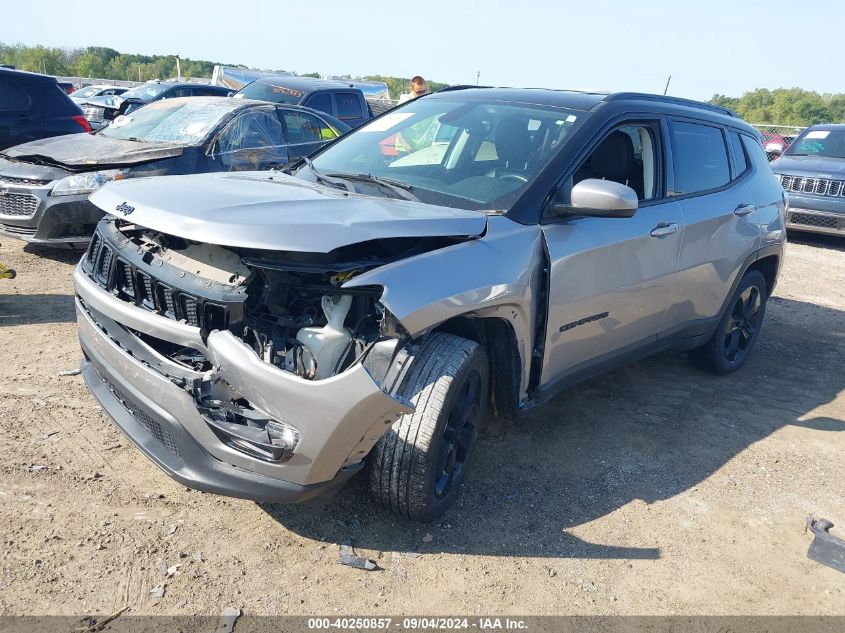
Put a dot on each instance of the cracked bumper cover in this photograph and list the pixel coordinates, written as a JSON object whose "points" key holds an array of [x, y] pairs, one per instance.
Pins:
{"points": [[149, 398]]}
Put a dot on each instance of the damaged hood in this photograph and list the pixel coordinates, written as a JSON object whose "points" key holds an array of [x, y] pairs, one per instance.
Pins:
{"points": [[87, 152], [274, 211]]}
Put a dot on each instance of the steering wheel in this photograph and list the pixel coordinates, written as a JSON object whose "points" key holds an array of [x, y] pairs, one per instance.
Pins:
{"points": [[516, 177]]}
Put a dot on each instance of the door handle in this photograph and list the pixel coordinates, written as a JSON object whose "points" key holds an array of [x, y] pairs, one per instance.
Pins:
{"points": [[744, 209], [663, 229]]}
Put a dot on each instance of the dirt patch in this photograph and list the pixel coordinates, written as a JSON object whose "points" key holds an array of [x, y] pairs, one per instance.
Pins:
{"points": [[655, 489]]}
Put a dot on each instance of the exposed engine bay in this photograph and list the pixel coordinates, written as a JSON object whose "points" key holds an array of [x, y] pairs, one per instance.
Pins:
{"points": [[290, 308]]}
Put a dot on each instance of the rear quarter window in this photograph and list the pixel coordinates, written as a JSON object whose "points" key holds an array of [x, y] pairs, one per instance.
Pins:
{"points": [[699, 156], [740, 160]]}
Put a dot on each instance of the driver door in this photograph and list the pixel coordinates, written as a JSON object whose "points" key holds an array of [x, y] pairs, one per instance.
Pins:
{"points": [[611, 279]]}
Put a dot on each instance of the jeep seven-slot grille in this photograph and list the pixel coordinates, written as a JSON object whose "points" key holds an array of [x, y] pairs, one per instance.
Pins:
{"points": [[816, 186], [137, 286]]}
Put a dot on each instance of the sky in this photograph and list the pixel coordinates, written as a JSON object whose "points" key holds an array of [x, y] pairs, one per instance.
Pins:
{"points": [[718, 46]]}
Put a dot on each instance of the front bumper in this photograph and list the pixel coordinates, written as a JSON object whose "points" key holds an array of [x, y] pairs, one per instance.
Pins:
{"points": [[40, 218], [817, 214], [152, 400]]}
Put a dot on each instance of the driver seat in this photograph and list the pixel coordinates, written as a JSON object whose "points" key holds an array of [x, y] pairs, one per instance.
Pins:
{"points": [[513, 147]]}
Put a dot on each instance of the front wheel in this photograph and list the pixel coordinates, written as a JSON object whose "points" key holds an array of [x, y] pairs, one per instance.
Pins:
{"points": [[418, 466], [738, 330]]}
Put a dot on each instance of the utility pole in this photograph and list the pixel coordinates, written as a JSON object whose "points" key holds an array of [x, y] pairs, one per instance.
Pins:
{"points": [[477, 76], [139, 73], [178, 69]]}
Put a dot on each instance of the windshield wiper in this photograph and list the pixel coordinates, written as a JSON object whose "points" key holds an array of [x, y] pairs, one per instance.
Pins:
{"points": [[325, 178], [401, 189]]}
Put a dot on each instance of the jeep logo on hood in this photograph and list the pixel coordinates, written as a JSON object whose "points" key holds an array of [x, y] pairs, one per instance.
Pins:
{"points": [[124, 208]]}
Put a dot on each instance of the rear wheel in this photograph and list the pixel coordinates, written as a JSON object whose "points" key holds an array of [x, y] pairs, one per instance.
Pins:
{"points": [[418, 466], [738, 330]]}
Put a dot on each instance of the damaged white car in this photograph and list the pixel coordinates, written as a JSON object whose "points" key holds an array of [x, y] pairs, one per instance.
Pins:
{"points": [[266, 335]]}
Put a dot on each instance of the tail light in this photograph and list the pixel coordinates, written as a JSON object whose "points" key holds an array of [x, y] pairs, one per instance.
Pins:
{"points": [[82, 121]]}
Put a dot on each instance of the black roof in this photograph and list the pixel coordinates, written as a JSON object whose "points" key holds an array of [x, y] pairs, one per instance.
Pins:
{"points": [[828, 126], [575, 99], [303, 84], [25, 74]]}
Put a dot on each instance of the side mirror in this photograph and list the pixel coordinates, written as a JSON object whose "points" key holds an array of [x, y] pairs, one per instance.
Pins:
{"points": [[599, 199]]}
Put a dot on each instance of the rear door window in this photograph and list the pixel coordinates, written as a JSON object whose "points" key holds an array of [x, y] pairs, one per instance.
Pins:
{"points": [[12, 97], [699, 156], [305, 128], [348, 106], [321, 101]]}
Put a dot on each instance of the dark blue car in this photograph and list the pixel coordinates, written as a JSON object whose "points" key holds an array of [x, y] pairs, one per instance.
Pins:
{"points": [[33, 106], [45, 184]]}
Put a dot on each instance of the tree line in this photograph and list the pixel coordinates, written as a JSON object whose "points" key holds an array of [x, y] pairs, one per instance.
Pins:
{"points": [[106, 63], [100, 62], [786, 106]]}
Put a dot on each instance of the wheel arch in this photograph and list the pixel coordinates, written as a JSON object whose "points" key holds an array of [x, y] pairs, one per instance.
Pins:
{"points": [[498, 338], [768, 265]]}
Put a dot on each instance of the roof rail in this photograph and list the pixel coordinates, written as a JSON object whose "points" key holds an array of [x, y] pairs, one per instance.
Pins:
{"points": [[642, 96], [461, 87]]}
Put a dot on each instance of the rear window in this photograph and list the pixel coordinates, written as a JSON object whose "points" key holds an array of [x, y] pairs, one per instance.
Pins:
{"points": [[12, 97], [700, 157], [348, 106], [270, 92]]}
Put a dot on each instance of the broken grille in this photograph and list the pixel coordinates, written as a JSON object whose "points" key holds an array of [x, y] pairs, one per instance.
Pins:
{"points": [[134, 285], [817, 186], [18, 204]]}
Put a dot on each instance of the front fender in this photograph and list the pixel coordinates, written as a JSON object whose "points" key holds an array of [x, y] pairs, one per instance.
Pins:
{"points": [[497, 275]]}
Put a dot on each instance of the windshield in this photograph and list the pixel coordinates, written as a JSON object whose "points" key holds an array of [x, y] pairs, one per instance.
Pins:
{"points": [[270, 92], [145, 92], [825, 143], [179, 121], [475, 154]]}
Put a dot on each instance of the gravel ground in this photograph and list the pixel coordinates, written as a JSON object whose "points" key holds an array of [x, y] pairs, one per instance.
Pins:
{"points": [[655, 489]]}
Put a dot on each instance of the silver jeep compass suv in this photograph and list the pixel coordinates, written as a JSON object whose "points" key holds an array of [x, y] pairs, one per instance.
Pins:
{"points": [[267, 335]]}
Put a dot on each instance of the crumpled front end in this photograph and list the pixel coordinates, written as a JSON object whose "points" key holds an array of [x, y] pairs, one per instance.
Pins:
{"points": [[218, 370]]}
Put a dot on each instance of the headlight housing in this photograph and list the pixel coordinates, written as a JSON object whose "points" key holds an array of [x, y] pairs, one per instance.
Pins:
{"points": [[86, 183]]}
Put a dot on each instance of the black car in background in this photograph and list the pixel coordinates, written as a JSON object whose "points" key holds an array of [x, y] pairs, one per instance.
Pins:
{"points": [[342, 101], [33, 106], [45, 184], [100, 111]]}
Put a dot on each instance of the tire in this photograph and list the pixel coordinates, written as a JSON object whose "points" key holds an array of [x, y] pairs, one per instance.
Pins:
{"points": [[417, 467], [739, 329]]}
